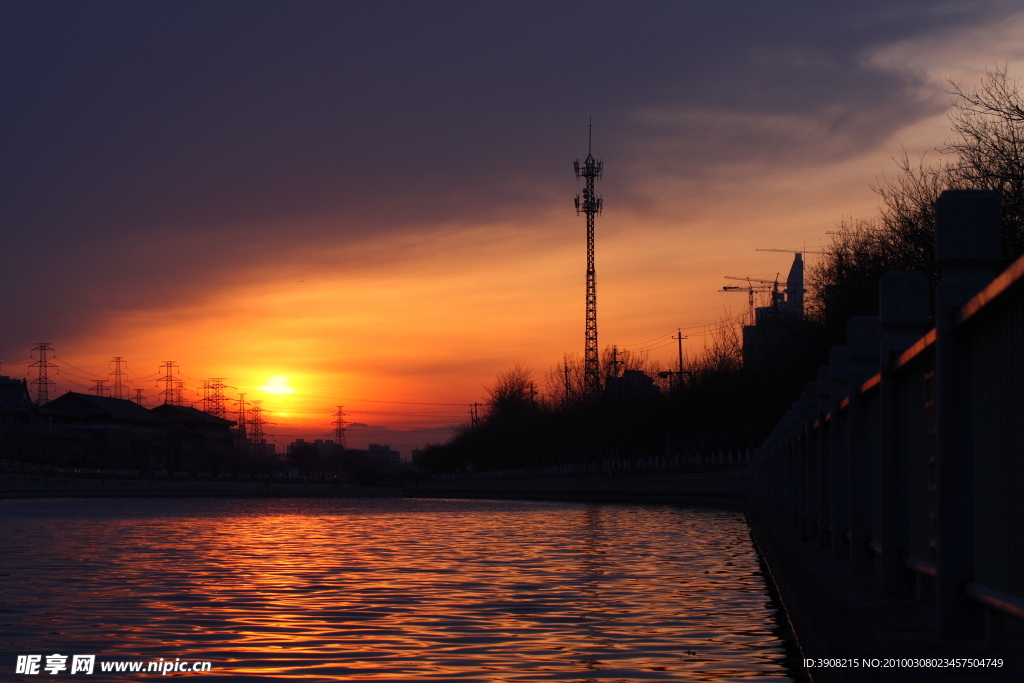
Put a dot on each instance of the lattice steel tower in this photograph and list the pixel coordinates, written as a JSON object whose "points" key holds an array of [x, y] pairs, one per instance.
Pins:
{"points": [[169, 393], [43, 381], [118, 389], [591, 207], [213, 399], [339, 427]]}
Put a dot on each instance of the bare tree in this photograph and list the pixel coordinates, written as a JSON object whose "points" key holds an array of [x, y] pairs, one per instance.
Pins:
{"points": [[513, 392], [986, 152], [989, 123]]}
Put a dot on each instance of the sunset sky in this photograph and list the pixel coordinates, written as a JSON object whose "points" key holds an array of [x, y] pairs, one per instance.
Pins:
{"points": [[373, 201]]}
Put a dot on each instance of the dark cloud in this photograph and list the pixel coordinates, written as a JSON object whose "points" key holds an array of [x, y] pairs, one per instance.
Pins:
{"points": [[145, 148]]}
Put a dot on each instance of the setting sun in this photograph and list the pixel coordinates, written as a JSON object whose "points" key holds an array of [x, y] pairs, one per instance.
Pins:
{"points": [[278, 384]]}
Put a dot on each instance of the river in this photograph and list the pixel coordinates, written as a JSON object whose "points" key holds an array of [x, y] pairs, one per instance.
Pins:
{"points": [[388, 589]]}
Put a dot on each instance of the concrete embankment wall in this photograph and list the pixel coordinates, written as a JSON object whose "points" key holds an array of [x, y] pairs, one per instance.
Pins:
{"points": [[720, 489], [38, 486]]}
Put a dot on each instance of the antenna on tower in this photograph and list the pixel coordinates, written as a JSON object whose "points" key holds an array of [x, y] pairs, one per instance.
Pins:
{"points": [[591, 207], [118, 389], [339, 427], [43, 381]]}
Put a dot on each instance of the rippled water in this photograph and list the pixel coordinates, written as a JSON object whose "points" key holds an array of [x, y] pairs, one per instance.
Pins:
{"points": [[395, 590]]}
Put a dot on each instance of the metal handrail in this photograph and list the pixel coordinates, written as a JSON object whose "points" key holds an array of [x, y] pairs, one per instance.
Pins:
{"points": [[997, 600]]}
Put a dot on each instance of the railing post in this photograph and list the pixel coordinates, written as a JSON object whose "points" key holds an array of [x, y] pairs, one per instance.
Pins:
{"points": [[823, 458], [862, 334], [786, 470], [904, 316], [967, 247], [839, 513], [808, 466], [798, 496]]}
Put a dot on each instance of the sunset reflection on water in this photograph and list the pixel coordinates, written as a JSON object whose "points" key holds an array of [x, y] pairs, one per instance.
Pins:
{"points": [[392, 589]]}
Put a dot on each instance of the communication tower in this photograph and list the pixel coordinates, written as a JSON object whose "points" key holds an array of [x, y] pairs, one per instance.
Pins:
{"points": [[43, 382], [117, 388], [339, 427], [590, 206]]}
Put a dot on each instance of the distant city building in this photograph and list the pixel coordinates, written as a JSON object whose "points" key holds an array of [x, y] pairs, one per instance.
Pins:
{"points": [[325, 447], [774, 325], [383, 452]]}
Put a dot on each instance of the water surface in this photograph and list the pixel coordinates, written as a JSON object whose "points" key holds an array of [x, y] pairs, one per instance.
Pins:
{"points": [[394, 590]]}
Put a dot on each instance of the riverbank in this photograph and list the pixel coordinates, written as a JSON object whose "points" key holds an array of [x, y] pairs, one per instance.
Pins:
{"points": [[721, 489]]}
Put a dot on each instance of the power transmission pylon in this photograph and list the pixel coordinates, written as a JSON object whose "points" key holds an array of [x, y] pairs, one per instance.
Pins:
{"points": [[98, 388], [43, 381], [213, 396], [241, 412], [591, 207], [169, 393], [118, 389], [257, 422], [339, 427], [138, 396]]}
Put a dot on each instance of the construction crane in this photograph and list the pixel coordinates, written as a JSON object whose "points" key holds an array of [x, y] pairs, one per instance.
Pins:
{"points": [[748, 280], [750, 289], [792, 251]]}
